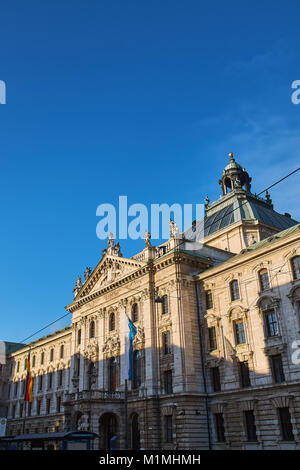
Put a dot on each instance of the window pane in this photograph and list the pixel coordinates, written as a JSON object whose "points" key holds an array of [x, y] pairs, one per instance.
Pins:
{"points": [[209, 299], [271, 323], [264, 279], [296, 267], [240, 332], [215, 378], [212, 338], [286, 425], [220, 430], [234, 289], [277, 368], [168, 429], [244, 374], [250, 426]]}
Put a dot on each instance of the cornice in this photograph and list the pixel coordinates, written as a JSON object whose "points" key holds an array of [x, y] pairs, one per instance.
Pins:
{"points": [[242, 258]]}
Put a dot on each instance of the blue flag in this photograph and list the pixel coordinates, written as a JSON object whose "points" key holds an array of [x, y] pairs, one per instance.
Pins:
{"points": [[131, 336]]}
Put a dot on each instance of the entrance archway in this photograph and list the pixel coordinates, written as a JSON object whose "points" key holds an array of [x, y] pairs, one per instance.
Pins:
{"points": [[135, 432], [108, 431]]}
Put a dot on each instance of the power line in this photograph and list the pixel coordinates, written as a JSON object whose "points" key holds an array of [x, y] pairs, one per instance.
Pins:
{"points": [[183, 241], [44, 328]]}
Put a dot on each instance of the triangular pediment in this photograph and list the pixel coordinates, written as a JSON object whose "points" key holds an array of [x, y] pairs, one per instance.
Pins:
{"points": [[110, 270]]}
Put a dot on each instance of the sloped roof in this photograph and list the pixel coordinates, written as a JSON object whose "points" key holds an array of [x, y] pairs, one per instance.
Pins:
{"points": [[250, 208]]}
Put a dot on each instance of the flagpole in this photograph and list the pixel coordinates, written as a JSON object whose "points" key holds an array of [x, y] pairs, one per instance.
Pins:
{"points": [[126, 406], [126, 415]]}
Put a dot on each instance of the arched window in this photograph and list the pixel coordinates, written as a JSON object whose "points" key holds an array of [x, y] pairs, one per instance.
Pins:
{"points": [[42, 357], [112, 374], [18, 366], [61, 351], [137, 369], [234, 290], [165, 306], [296, 267], [25, 364], [112, 322], [79, 336], [92, 329], [51, 355], [33, 361], [135, 313], [264, 279]]}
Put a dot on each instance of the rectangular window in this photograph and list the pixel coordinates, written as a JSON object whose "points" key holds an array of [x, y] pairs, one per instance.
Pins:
{"points": [[41, 383], [234, 290], [264, 280], [58, 404], [271, 322], [285, 424], [212, 338], [244, 374], [209, 299], [277, 368], [220, 430], [168, 381], [296, 267], [250, 426], [166, 340], [60, 378], [240, 336], [215, 379], [48, 405], [168, 428], [50, 380]]}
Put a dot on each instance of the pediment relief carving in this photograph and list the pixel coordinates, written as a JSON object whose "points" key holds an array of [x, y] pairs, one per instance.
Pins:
{"points": [[110, 271]]}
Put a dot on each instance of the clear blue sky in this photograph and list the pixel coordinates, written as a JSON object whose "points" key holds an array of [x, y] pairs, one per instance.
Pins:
{"points": [[137, 98]]}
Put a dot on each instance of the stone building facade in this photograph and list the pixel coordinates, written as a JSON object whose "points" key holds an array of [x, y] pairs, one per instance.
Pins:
{"points": [[217, 316]]}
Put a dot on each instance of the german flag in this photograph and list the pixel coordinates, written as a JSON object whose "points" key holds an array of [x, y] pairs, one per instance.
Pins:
{"points": [[28, 391]]}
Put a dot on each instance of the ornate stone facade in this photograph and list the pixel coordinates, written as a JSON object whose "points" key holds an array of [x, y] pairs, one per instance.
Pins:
{"points": [[213, 354]]}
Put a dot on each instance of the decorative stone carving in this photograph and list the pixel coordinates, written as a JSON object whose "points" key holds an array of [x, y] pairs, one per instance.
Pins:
{"points": [[281, 401], [84, 423], [78, 286], [147, 237], [113, 249], [174, 229], [140, 336], [87, 273], [112, 345], [91, 350]]}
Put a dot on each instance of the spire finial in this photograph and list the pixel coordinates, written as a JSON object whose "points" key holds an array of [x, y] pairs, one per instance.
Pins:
{"points": [[231, 157]]}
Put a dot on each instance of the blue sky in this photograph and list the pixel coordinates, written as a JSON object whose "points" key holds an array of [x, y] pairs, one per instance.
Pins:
{"points": [[144, 99]]}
